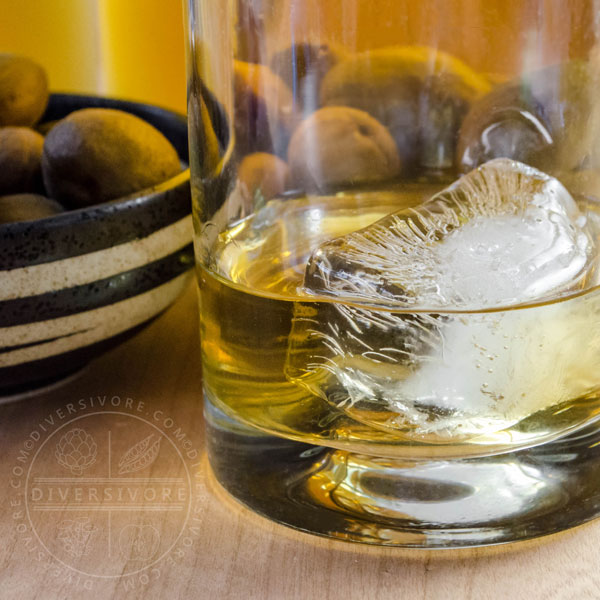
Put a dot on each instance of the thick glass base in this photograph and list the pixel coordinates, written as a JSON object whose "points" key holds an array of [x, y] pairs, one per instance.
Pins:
{"points": [[436, 504]]}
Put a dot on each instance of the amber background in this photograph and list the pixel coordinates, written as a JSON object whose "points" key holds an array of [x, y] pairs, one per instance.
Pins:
{"points": [[135, 48], [143, 50], [62, 35], [124, 48]]}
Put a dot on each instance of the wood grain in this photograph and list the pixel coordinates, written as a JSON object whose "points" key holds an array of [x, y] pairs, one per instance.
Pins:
{"points": [[236, 554]]}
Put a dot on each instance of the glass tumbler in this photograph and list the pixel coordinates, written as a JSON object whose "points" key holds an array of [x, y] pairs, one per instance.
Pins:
{"points": [[397, 234]]}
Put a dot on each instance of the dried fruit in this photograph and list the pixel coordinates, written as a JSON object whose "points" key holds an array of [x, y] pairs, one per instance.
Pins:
{"points": [[302, 67], [263, 176], [340, 145], [98, 154], [546, 118], [263, 109], [27, 207], [20, 160], [23, 90], [420, 94]]}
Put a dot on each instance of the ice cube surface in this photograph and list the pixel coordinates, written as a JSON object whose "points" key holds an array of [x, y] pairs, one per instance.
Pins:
{"points": [[502, 235]]}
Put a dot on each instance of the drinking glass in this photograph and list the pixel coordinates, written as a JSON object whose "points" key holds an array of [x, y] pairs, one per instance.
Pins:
{"points": [[396, 231]]}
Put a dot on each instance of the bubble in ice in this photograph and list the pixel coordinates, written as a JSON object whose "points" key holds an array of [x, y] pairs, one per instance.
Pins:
{"points": [[502, 235]]}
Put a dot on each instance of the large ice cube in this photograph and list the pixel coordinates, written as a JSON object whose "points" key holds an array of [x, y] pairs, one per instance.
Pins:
{"points": [[502, 235]]}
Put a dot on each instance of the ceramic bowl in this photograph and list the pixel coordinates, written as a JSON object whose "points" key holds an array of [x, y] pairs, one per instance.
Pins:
{"points": [[78, 283]]}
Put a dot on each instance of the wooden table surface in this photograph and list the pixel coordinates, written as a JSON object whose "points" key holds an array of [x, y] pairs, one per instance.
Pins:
{"points": [[230, 552]]}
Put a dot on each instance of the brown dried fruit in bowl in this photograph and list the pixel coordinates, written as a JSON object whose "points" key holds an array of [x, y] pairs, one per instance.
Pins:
{"points": [[263, 176], [23, 91], [341, 145], [20, 160], [547, 119], [302, 67], [27, 207], [418, 93], [263, 108], [98, 154]]}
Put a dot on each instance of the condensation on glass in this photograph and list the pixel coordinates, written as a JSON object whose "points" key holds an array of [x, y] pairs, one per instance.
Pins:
{"points": [[397, 232]]}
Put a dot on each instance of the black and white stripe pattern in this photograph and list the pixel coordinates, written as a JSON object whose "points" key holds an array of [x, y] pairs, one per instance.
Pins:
{"points": [[75, 284]]}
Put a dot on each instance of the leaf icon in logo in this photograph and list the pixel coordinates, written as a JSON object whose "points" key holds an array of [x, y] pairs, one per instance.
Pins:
{"points": [[140, 455]]}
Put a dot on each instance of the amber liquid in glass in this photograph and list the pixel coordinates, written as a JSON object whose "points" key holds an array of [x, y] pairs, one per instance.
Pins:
{"points": [[250, 305]]}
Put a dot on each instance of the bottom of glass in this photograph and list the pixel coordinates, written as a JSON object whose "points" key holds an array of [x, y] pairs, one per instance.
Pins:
{"points": [[422, 504]]}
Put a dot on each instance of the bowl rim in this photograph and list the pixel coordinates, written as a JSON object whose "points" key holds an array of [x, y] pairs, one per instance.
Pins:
{"points": [[124, 203]]}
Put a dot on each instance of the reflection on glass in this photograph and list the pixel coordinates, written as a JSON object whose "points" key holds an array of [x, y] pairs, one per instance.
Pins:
{"points": [[397, 233]]}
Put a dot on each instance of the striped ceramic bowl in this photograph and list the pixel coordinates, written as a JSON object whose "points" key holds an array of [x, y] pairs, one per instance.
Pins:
{"points": [[78, 283]]}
